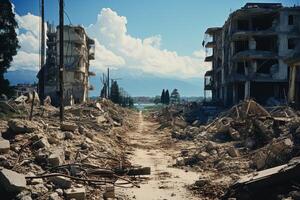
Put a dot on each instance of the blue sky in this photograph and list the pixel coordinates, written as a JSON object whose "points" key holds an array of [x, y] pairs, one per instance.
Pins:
{"points": [[181, 23], [154, 40]]}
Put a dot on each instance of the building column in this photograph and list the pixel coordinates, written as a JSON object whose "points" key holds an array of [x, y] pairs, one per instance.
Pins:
{"points": [[292, 84], [247, 90], [234, 93]]}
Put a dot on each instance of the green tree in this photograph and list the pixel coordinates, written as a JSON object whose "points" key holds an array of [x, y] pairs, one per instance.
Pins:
{"points": [[163, 97], [115, 93], [157, 100], [175, 97], [167, 101], [8, 43], [130, 102]]}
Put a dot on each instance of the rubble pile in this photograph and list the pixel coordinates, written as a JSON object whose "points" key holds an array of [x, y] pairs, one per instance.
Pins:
{"points": [[77, 159], [239, 141]]}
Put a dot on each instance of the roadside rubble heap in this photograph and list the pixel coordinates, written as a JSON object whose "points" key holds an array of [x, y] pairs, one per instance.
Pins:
{"points": [[81, 158], [241, 140]]}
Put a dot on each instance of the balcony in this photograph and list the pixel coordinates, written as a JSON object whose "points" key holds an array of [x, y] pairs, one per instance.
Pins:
{"points": [[210, 45], [91, 73], [208, 83], [209, 58], [91, 51], [254, 54]]}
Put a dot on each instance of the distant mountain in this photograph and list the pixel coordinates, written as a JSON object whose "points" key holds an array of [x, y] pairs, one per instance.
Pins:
{"points": [[21, 76], [136, 83]]}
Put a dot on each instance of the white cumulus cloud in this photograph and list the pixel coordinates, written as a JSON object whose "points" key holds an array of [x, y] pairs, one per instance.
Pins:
{"points": [[110, 29], [114, 47], [27, 57]]}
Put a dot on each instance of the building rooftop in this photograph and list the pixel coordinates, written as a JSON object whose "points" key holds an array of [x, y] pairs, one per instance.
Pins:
{"points": [[263, 5]]}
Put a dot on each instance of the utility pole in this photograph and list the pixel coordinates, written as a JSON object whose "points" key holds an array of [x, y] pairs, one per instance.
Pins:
{"points": [[108, 95], [61, 59], [42, 72]]}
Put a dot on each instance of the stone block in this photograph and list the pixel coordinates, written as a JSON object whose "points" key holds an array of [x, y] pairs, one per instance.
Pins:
{"points": [[75, 193], [12, 181], [4, 146]]}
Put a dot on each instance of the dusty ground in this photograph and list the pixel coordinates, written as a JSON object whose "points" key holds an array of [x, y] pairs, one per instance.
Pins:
{"points": [[155, 149]]}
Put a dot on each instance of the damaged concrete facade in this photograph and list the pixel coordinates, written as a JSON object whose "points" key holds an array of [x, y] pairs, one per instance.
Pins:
{"points": [[79, 49], [249, 53]]}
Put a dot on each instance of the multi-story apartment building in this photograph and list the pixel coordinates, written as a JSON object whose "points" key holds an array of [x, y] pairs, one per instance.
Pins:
{"points": [[78, 51], [250, 53]]}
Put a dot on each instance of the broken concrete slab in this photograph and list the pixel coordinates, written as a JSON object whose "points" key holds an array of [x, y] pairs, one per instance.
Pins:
{"points": [[233, 152], [57, 157], [12, 181], [19, 126], [266, 184], [61, 182], [68, 126], [42, 143], [69, 135], [75, 193], [4, 146]]}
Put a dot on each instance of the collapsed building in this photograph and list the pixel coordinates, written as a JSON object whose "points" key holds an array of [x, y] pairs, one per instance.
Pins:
{"points": [[253, 53], [79, 49]]}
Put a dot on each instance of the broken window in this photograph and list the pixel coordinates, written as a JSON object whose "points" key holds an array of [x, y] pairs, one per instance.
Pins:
{"points": [[266, 43], [241, 67], [243, 25], [78, 76], [240, 91], [241, 45], [262, 22], [291, 43], [291, 19], [266, 66]]}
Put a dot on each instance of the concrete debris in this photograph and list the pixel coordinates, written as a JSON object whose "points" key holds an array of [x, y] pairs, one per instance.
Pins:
{"points": [[240, 140], [273, 183], [12, 181], [75, 193], [41, 143], [57, 157], [19, 126], [61, 182], [62, 155], [68, 127], [4, 146]]}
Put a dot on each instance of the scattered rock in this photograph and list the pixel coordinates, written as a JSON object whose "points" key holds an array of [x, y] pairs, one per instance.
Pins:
{"points": [[4, 146], [19, 126], [233, 152], [42, 143], [75, 193], [57, 157], [68, 126], [12, 181], [61, 182], [69, 135]]}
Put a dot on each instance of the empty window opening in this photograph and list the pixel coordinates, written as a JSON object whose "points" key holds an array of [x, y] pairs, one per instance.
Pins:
{"points": [[240, 91], [266, 43], [243, 25], [262, 91], [241, 45], [291, 19], [291, 43], [266, 66], [241, 67], [263, 22]]}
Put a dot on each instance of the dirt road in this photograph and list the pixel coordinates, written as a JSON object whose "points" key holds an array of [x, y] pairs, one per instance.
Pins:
{"points": [[152, 148]]}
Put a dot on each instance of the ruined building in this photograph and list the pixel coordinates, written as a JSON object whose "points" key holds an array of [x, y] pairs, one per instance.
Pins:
{"points": [[79, 49], [252, 52]]}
